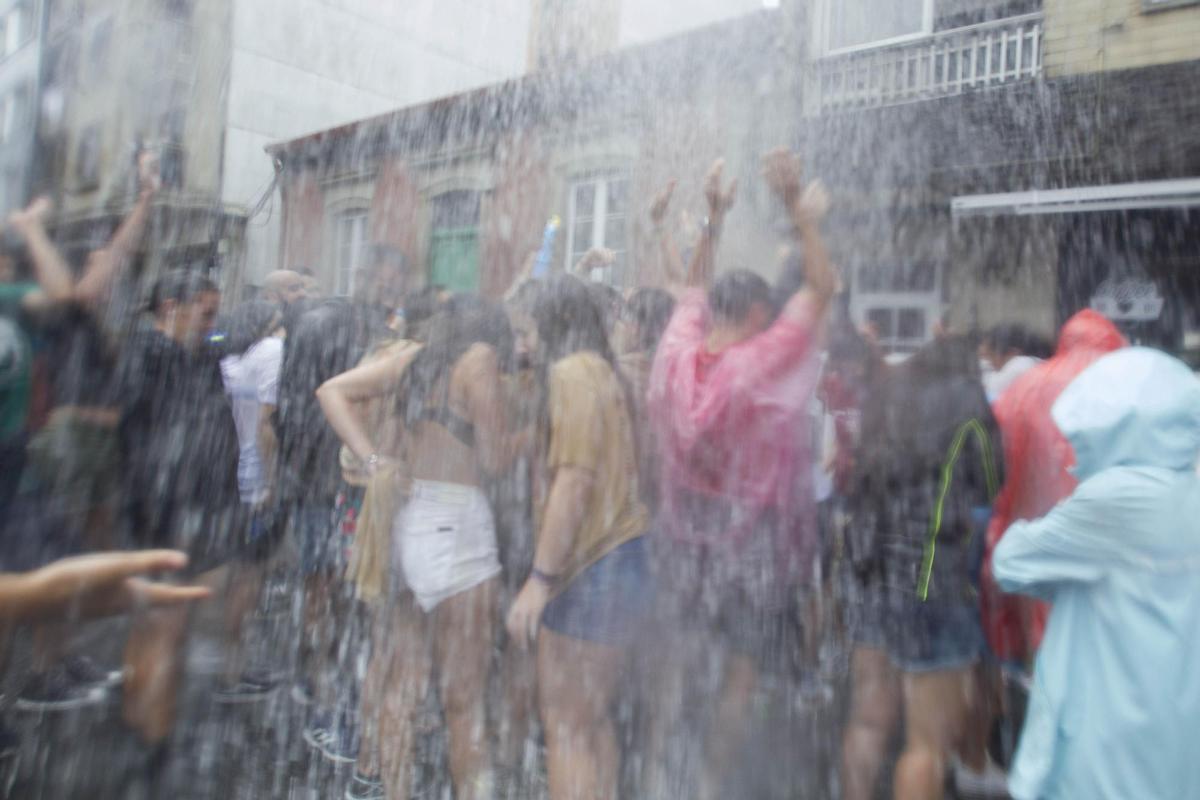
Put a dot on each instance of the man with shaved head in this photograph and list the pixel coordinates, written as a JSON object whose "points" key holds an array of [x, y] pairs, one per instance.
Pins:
{"points": [[284, 287]]}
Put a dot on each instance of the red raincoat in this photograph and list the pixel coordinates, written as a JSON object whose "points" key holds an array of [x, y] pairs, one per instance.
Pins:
{"points": [[1037, 460]]}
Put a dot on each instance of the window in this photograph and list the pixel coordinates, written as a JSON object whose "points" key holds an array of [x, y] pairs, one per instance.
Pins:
{"points": [[351, 242], [454, 243], [858, 23], [900, 302], [597, 218]]}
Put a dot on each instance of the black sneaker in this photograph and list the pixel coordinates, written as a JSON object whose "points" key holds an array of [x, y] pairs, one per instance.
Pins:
{"points": [[250, 688], [365, 788], [87, 672], [56, 690], [338, 743]]}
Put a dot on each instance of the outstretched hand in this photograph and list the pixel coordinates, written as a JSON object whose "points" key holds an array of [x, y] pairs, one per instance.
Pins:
{"points": [[662, 202], [720, 200], [32, 215], [104, 584], [149, 173], [782, 171]]}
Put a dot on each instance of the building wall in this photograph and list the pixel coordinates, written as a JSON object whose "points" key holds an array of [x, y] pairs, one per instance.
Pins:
{"points": [[304, 65], [1094, 35], [18, 103], [647, 21]]}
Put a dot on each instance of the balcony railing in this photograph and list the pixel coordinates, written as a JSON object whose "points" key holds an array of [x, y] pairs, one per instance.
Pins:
{"points": [[946, 63]]}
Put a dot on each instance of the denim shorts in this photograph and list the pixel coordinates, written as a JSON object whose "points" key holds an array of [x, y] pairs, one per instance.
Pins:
{"points": [[607, 602], [933, 636]]}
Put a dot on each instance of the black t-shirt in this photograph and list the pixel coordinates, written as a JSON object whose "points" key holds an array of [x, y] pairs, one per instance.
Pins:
{"points": [[178, 441]]}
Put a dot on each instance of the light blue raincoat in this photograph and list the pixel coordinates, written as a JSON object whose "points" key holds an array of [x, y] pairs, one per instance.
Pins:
{"points": [[1115, 708]]}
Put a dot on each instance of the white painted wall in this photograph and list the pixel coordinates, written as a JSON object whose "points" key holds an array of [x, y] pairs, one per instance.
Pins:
{"points": [[300, 66], [646, 20]]}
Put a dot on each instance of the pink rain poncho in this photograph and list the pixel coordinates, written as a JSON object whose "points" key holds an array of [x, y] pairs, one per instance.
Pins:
{"points": [[1037, 463], [735, 425]]}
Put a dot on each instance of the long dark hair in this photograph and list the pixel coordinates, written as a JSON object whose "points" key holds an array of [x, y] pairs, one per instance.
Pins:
{"points": [[462, 322], [650, 309], [569, 320], [247, 325]]}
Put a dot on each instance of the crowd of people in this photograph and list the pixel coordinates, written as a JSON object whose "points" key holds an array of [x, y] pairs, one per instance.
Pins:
{"points": [[599, 500]]}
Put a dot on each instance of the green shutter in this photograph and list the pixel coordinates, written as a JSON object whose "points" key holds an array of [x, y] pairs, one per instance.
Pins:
{"points": [[454, 259]]}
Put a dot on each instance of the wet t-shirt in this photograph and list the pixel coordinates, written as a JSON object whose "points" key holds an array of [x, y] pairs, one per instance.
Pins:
{"points": [[16, 359], [734, 427], [252, 380], [590, 428]]}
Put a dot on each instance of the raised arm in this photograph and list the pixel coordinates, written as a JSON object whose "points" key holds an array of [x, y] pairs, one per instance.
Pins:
{"points": [[104, 264], [338, 395], [704, 259], [806, 206], [670, 260], [50, 269]]}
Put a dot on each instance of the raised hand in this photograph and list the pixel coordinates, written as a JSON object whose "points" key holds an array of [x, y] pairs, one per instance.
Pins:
{"points": [[662, 202], [782, 170], [149, 173], [33, 214], [719, 200]]}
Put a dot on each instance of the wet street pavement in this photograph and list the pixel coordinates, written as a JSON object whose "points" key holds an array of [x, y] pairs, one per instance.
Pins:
{"points": [[257, 749]]}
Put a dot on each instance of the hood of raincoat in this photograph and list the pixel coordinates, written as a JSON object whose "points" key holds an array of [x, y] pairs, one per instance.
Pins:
{"points": [[1134, 407], [1089, 331]]}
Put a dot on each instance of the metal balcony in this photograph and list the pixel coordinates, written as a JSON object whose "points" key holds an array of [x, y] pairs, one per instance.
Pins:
{"points": [[946, 63]]}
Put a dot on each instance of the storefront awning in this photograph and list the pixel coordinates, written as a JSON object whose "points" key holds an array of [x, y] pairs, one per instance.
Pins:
{"points": [[1181, 193]]}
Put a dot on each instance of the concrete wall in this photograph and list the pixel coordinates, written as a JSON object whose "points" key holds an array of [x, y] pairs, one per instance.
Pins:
{"points": [[1094, 35], [643, 21], [300, 66]]}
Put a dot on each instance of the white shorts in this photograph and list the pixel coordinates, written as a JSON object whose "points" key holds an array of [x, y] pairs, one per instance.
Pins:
{"points": [[444, 541]]}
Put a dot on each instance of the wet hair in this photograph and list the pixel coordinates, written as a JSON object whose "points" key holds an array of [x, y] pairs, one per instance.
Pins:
{"points": [[180, 286], [735, 294], [1010, 337], [608, 300], [248, 324], [569, 320], [945, 357], [650, 310], [420, 306], [462, 322], [323, 341]]}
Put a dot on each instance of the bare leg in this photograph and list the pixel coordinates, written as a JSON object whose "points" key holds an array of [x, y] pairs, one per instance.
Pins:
{"points": [[519, 679], [729, 725], [576, 684], [406, 686], [875, 701], [463, 649], [242, 590], [154, 669], [987, 704], [374, 692], [936, 709]]}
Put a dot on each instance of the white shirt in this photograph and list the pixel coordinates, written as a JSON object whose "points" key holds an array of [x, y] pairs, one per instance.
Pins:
{"points": [[252, 381], [994, 383]]}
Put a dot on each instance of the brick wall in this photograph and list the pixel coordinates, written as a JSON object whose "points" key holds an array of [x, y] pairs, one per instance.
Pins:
{"points": [[1094, 35]]}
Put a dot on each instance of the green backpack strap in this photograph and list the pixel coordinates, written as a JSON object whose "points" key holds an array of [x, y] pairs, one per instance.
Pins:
{"points": [[971, 426]]}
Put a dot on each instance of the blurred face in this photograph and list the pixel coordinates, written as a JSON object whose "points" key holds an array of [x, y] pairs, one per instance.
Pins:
{"points": [[525, 337], [188, 323], [386, 286], [292, 291], [759, 319]]}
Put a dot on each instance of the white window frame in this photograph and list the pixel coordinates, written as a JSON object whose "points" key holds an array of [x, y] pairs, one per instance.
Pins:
{"points": [[929, 302], [600, 215], [823, 29], [352, 245]]}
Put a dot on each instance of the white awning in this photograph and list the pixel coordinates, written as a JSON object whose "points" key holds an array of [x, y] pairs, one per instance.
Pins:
{"points": [[1182, 193]]}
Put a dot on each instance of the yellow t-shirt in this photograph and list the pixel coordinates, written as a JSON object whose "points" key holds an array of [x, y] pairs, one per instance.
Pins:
{"points": [[590, 428]]}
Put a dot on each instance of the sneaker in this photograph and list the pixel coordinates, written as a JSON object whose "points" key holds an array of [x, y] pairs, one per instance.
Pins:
{"points": [[86, 671], [250, 688], [365, 788], [57, 690], [989, 784], [338, 743]]}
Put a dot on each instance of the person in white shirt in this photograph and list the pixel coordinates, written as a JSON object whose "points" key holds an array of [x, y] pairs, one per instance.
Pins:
{"points": [[1007, 351]]}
